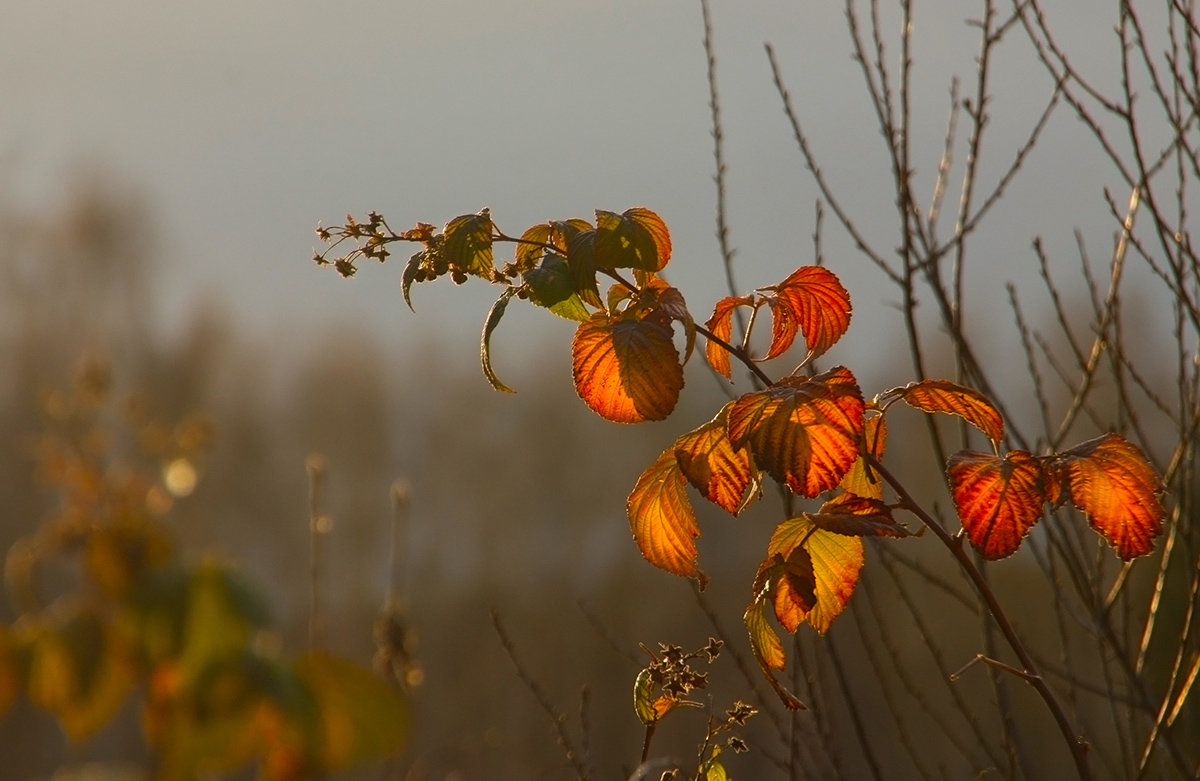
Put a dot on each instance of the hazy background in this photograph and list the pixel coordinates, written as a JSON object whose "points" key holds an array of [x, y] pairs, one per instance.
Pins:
{"points": [[202, 143]]}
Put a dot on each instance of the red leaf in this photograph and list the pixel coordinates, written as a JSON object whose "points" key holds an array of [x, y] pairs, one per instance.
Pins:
{"points": [[803, 432], [945, 396], [721, 325], [626, 370], [998, 499], [784, 327], [662, 519], [1110, 480], [713, 465], [819, 304]]}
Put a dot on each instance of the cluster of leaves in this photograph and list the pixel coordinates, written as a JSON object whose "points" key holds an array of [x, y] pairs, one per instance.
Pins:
{"points": [[665, 684], [813, 433], [191, 641]]}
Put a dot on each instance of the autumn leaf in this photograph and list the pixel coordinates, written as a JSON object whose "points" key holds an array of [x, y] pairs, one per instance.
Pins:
{"points": [[467, 244], [817, 302], [489, 325], [581, 259], [859, 516], [711, 463], [998, 499], [803, 432], [836, 559], [626, 370], [861, 479], [662, 519], [657, 300], [1111, 481], [637, 238], [768, 651], [784, 327], [952, 399], [721, 326]]}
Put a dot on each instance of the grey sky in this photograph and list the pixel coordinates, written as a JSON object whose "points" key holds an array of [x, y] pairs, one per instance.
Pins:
{"points": [[247, 123]]}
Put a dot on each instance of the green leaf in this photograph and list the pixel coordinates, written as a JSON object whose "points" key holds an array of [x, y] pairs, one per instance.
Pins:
{"points": [[360, 716], [467, 244], [636, 238], [552, 285], [493, 319], [643, 698], [581, 258]]}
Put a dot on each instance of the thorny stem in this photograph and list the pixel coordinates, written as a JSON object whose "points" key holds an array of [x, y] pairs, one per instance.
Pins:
{"points": [[1075, 742]]}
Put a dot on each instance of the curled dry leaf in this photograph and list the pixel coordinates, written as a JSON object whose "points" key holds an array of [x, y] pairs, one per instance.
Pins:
{"points": [[953, 399]]}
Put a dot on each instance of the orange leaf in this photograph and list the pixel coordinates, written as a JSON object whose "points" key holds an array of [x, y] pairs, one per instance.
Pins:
{"points": [[721, 325], [784, 327], [713, 465], [998, 499], [945, 396], [858, 516], [626, 370], [663, 303], [637, 238], [1110, 480], [768, 651], [803, 432], [662, 519], [861, 479], [818, 303], [836, 559]]}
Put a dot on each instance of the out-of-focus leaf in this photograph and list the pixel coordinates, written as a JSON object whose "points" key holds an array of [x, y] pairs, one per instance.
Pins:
{"points": [[361, 716], [710, 462], [662, 519], [10, 678], [721, 326], [837, 560], [626, 370], [467, 244], [1110, 480], [861, 479], [636, 238], [489, 325], [818, 303], [119, 555], [953, 399], [552, 285], [222, 615], [82, 672], [803, 432], [858, 516], [998, 499]]}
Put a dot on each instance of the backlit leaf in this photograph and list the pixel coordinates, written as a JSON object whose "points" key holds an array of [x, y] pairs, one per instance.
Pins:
{"points": [[626, 370], [952, 399], [859, 516], [721, 326], [998, 499], [784, 327], [664, 303], [360, 716], [803, 432], [532, 245], [768, 651], [662, 519], [818, 303], [552, 285], [636, 238], [837, 560], [711, 463], [1110, 480], [861, 479], [581, 259], [485, 351], [467, 244]]}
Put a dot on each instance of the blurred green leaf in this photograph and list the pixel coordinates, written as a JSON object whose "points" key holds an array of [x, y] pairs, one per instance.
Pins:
{"points": [[360, 715]]}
